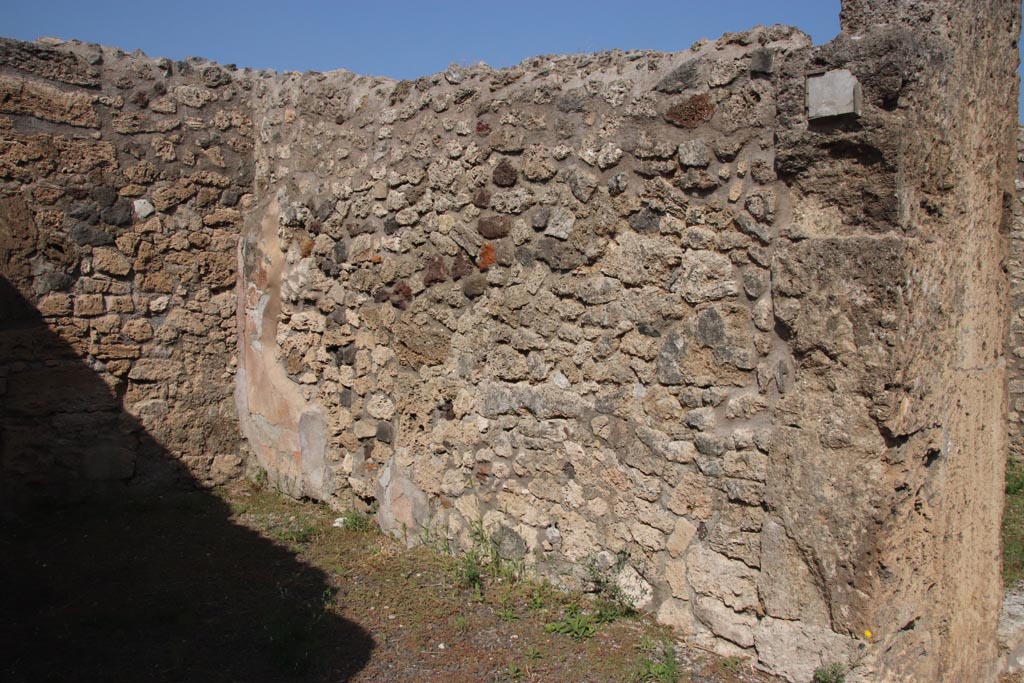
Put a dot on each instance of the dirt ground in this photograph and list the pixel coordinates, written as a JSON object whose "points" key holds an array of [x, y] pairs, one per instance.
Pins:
{"points": [[240, 584]]}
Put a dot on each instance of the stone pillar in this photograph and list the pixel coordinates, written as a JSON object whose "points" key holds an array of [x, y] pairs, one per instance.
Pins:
{"points": [[886, 467]]}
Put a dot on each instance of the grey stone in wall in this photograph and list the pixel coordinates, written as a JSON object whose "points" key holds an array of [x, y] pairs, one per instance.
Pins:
{"points": [[833, 93]]}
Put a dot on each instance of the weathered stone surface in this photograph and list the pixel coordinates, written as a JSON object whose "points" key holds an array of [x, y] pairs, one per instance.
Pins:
{"points": [[49, 63], [143, 208], [504, 174], [559, 223], [684, 77], [694, 153], [798, 649], [110, 261], [19, 96], [581, 183], [155, 370], [494, 227], [737, 628], [705, 276], [629, 303], [403, 505]]}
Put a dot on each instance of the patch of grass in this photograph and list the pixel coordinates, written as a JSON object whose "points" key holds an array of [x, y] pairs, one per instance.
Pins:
{"points": [[1014, 479], [1013, 526], [296, 529], [660, 668], [293, 641], [431, 536], [830, 673], [355, 520], [538, 594], [483, 564], [471, 608], [647, 644]]}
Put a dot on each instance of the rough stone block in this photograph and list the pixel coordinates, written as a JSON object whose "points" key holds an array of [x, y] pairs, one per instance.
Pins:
{"points": [[762, 62]]}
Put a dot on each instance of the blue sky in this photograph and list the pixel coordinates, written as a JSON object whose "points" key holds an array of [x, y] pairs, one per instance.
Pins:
{"points": [[400, 38]]}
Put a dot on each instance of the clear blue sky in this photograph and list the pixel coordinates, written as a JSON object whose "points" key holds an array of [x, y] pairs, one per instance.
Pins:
{"points": [[400, 38]]}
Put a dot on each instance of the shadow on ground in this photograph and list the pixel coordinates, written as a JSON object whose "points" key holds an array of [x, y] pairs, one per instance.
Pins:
{"points": [[114, 566]]}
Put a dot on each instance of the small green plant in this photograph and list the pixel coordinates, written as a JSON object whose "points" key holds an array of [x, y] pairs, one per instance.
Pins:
{"points": [[461, 623], [661, 668], [576, 625], [830, 673], [354, 520], [510, 571], [514, 673], [471, 571], [484, 544], [432, 537], [541, 594], [507, 614], [608, 611], [533, 654]]}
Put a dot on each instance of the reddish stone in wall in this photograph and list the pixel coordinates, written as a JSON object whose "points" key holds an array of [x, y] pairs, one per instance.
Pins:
{"points": [[692, 112], [487, 257]]}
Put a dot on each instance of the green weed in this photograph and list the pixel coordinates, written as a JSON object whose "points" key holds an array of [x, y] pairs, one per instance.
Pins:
{"points": [[831, 673], [471, 571], [514, 673], [661, 668], [354, 520], [576, 625]]}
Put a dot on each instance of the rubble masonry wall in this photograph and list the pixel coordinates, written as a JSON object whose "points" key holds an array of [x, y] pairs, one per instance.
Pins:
{"points": [[633, 310]]}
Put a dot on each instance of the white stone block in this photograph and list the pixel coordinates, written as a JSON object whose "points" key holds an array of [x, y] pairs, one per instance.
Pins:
{"points": [[833, 93]]}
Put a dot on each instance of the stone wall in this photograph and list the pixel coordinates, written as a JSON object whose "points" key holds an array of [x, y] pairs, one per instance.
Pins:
{"points": [[123, 180], [665, 315], [541, 298], [1015, 268]]}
